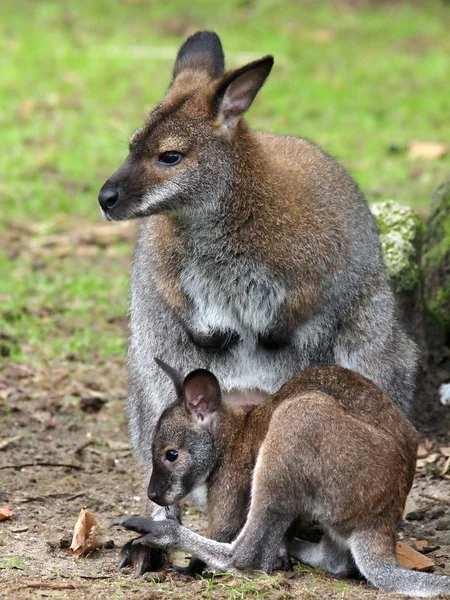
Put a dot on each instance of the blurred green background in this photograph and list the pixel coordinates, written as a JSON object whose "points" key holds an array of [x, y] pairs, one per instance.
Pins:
{"points": [[363, 79]]}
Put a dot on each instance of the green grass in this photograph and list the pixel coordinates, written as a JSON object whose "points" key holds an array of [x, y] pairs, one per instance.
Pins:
{"points": [[78, 77]]}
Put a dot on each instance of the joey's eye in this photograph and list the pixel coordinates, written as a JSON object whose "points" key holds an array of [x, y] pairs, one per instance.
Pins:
{"points": [[170, 158], [172, 455]]}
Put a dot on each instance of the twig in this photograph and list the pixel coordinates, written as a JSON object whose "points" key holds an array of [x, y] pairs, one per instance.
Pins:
{"points": [[5, 443], [58, 496], [43, 464], [435, 498], [79, 450], [46, 585], [96, 576]]}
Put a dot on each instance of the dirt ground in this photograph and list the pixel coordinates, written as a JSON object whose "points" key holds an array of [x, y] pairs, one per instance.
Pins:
{"points": [[68, 449]]}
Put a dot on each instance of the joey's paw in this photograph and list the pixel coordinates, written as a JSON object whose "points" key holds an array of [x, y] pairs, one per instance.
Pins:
{"points": [[141, 558]]}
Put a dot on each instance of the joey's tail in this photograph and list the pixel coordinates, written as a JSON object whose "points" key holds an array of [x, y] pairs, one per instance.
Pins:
{"points": [[374, 556]]}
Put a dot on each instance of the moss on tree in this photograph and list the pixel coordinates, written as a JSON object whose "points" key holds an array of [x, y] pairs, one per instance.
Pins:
{"points": [[400, 232], [436, 257]]}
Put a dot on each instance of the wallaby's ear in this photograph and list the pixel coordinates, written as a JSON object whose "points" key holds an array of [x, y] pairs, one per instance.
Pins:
{"points": [[237, 90], [201, 52], [176, 377], [202, 394]]}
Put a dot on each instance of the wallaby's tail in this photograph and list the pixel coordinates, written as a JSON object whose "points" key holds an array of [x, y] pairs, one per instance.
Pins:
{"points": [[374, 555]]}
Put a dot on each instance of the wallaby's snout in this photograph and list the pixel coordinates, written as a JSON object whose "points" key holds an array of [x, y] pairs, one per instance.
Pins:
{"points": [[158, 488], [108, 196]]}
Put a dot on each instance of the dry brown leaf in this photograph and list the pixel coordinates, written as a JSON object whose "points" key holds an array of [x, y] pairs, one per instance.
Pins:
{"points": [[446, 466], [6, 443], [85, 534], [420, 544], [431, 458], [445, 451], [422, 451], [323, 36], [427, 150], [118, 445], [6, 512], [428, 445], [411, 559]]}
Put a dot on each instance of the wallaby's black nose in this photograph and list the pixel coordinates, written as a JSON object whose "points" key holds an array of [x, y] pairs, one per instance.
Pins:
{"points": [[108, 196]]}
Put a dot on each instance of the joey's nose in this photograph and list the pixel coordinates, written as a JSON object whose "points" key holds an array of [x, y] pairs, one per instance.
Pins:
{"points": [[108, 196]]}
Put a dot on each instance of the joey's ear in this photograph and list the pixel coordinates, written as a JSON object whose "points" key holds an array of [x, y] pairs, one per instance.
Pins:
{"points": [[201, 52], [202, 394], [237, 90], [176, 377]]}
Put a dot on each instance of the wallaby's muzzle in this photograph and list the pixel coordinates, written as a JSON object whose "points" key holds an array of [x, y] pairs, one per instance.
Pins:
{"points": [[108, 196]]}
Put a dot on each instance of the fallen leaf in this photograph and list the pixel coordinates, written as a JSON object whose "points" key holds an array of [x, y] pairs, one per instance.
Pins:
{"points": [[427, 150], [445, 451], [431, 458], [420, 544], [446, 466], [5, 513], [323, 36], [5, 443], [85, 534], [422, 451], [118, 445], [428, 445], [411, 559]]}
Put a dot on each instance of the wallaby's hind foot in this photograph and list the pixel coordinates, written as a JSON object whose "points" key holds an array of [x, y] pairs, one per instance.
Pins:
{"points": [[327, 555], [141, 558], [283, 561]]}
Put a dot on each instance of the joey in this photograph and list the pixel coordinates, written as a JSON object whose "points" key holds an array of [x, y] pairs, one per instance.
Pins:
{"points": [[328, 445]]}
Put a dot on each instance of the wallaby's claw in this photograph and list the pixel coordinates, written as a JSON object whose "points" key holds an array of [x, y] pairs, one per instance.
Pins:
{"points": [[135, 523], [141, 558]]}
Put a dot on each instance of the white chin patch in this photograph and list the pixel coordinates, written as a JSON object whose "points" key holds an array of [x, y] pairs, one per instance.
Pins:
{"points": [[159, 195], [105, 215]]}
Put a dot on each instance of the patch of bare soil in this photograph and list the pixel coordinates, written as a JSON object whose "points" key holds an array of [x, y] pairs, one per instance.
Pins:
{"points": [[64, 446]]}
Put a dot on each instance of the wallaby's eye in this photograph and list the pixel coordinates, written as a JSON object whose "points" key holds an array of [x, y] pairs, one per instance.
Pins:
{"points": [[172, 455], [170, 158]]}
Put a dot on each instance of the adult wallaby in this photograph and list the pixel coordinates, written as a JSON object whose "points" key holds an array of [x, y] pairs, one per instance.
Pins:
{"points": [[329, 445], [257, 255]]}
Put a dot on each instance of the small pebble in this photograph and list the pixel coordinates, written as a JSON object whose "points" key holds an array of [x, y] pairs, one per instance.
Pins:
{"points": [[442, 524], [417, 515], [436, 512]]}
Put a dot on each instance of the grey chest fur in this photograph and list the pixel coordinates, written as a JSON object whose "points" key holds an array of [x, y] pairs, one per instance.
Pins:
{"points": [[232, 294]]}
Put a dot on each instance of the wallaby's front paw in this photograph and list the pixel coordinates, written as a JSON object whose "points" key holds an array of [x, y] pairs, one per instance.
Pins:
{"points": [[214, 339], [161, 534], [142, 558]]}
